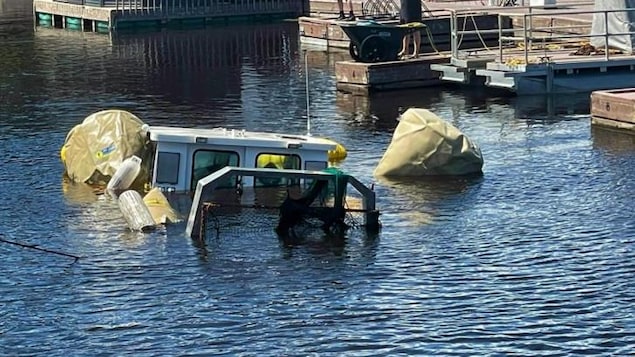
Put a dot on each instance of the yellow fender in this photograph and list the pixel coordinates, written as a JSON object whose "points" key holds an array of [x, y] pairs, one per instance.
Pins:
{"points": [[338, 154]]}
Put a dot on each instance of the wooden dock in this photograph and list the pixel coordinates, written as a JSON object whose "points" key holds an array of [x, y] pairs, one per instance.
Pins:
{"points": [[614, 109], [514, 48], [109, 15], [436, 41], [326, 31], [364, 78]]}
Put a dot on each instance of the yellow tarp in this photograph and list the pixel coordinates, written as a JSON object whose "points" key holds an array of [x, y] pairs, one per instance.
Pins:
{"points": [[160, 208], [423, 144], [94, 149]]}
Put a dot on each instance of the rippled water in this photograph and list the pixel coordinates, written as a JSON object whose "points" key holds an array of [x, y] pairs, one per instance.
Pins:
{"points": [[535, 257]]}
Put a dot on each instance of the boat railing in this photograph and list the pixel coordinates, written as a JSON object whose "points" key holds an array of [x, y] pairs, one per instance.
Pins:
{"points": [[209, 183], [532, 38]]}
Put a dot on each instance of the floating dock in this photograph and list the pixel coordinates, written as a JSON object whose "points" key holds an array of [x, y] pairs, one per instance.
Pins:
{"points": [[614, 109], [549, 51], [363, 78], [327, 32], [436, 42], [109, 15], [546, 50]]}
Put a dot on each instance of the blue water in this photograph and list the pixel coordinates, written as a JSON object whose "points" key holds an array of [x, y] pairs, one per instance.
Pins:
{"points": [[536, 257]]}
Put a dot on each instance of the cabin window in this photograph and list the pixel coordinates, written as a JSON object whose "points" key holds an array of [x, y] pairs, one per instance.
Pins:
{"points": [[277, 161], [315, 165], [168, 168], [210, 161]]}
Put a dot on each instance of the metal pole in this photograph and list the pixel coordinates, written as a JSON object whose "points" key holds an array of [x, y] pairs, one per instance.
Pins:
{"points": [[525, 38], [606, 35], [500, 38], [453, 34], [306, 77]]}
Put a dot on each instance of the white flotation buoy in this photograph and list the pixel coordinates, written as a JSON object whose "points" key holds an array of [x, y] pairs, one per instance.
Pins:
{"points": [[124, 176], [135, 211]]}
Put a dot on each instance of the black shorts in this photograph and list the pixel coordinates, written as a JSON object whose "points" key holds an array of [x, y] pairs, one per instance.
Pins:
{"points": [[410, 11]]}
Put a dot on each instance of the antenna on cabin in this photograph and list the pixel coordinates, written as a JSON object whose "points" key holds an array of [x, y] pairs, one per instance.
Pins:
{"points": [[306, 85]]}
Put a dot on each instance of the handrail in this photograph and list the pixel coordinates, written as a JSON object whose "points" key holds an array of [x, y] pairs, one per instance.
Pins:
{"points": [[210, 182], [165, 7], [529, 30]]}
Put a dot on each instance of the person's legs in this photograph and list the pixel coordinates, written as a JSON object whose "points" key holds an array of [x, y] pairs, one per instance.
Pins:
{"points": [[340, 6], [405, 46], [417, 43], [351, 15]]}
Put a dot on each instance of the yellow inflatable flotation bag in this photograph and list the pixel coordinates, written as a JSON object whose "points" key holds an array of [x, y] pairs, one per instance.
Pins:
{"points": [[338, 154]]}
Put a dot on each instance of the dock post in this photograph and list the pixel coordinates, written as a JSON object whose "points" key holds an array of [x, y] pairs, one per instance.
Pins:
{"points": [[453, 35], [549, 79]]}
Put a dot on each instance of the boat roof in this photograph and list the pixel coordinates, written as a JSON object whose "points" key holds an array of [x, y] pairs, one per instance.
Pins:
{"points": [[234, 137]]}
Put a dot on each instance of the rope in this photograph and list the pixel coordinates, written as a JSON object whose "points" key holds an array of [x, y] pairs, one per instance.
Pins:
{"points": [[35, 247], [478, 33]]}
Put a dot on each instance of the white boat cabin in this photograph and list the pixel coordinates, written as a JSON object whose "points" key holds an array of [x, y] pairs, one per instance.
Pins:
{"points": [[182, 156]]}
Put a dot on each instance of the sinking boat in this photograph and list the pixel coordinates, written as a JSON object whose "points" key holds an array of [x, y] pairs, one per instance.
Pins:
{"points": [[202, 161]]}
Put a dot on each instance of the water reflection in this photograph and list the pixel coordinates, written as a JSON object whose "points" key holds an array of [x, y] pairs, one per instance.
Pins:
{"points": [[534, 107], [545, 234], [11, 10], [78, 193], [379, 111], [613, 141], [185, 66], [538, 107], [420, 199]]}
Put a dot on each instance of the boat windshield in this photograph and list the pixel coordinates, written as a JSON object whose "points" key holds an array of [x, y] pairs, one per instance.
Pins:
{"points": [[209, 161]]}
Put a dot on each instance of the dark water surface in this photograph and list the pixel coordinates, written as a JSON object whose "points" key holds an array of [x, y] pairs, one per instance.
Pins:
{"points": [[537, 257]]}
